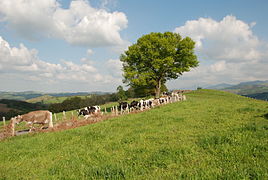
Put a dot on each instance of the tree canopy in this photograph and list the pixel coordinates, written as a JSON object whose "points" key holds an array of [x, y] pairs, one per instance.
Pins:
{"points": [[156, 58]]}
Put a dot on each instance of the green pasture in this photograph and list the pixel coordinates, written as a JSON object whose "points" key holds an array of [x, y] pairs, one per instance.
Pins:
{"points": [[212, 135]]}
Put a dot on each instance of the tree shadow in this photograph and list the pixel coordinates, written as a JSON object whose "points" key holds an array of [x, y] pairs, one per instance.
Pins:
{"points": [[265, 116]]}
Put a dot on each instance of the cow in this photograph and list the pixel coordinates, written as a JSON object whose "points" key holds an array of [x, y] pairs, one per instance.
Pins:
{"points": [[83, 112], [162, 100], [148, 103], [123, 105], [87, 111], [35, 117], [134, 105], [155, 102]]}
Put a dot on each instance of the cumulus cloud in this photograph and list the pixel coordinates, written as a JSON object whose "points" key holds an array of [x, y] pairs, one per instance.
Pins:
{"points": [[114, 67], [21, 64], [80, 24], [228, 52], [229, 39]]}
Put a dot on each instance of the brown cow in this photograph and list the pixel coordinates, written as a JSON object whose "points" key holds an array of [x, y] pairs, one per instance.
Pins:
{"points": [[34, 117]]}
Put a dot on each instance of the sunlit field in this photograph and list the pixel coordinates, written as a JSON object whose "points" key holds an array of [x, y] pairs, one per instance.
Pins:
{"points": [[211, 135]]}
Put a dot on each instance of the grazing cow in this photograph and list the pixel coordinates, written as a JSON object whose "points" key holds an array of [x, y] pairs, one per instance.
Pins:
{"points": [[166, 94], [141, 104], [34, 117], [156, 102], [87, 111], [123, 105], [162, 100], [148, 103], [134, 105], [83, 112]]}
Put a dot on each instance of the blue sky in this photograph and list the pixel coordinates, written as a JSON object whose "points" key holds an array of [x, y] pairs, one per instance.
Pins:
{"points": [[70, 46]]}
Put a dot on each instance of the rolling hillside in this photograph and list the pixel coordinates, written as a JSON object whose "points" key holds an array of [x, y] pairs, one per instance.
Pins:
{"points": [[253, 89], [47, 99], [28, 95], [212, 135]]}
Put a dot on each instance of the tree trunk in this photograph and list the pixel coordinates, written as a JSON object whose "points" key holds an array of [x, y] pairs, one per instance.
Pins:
{"points": [[158, 89]]}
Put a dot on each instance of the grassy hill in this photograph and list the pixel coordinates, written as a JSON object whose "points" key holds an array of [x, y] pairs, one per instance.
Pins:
{"points": [[42, 99], [250, 87], [47, 99], [253, 89], [27, 95], [212, 135], [19, 95]]}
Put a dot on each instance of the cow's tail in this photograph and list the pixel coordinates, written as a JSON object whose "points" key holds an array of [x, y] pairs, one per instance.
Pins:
{"points": [[50, 125]]}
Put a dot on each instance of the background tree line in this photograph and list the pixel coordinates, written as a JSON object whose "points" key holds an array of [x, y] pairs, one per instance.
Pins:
{"points": [[120, 95]]}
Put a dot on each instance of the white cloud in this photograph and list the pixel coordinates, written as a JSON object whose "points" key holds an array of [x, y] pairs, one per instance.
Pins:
{"points": [[90, 52], [114, 67], [80, 24], [218, 67], [228, 52], [229, 39], [23, 65]]}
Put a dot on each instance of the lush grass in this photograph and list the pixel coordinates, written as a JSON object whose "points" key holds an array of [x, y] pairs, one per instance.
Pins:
{"points": [[212, 135]]}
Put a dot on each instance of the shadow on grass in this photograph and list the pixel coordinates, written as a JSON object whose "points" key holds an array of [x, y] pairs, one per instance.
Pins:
{"points": [[265, 116]]}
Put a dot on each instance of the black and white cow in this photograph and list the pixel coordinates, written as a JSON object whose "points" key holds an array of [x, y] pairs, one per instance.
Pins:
{"points": [[134, 105], [123, 105], [87, 111], [148, 103], [144, 104]]}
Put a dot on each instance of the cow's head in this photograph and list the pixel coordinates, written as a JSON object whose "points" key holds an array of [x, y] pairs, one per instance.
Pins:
{"points": [[16, 119]]}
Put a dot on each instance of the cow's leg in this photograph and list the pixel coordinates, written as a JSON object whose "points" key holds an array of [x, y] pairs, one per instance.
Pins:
{"points": [[31, 127]]}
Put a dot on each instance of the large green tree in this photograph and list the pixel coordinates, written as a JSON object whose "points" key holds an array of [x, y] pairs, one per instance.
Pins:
{"points": [[156, 58]]}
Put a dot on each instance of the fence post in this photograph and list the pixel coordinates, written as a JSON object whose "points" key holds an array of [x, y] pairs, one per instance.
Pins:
{"points": [[72, 115], [55, 117], [4, 121], [64, 114], [116, 110], [127, 109], [12, 128]]}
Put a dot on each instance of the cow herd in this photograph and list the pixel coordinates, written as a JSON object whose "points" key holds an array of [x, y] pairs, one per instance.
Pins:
{"points": [[134, 105], [45, 117]]}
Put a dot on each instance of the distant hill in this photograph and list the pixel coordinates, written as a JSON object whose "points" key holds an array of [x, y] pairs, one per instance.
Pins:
{"points": [[48, 99], [19, 95], [219, 86], [251, 87], [255, 89], [40, 99], [27, 95], [254, 83]]}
